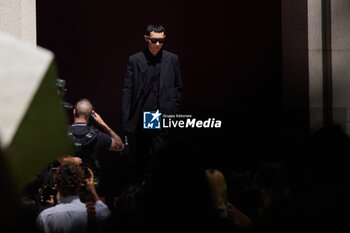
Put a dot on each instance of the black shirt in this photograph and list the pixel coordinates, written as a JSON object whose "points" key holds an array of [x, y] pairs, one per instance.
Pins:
{"points": [[90, 151], [152, 81]]}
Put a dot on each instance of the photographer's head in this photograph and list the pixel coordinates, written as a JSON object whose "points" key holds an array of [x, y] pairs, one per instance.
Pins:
{"points": [[82, 111], [69, 178]]}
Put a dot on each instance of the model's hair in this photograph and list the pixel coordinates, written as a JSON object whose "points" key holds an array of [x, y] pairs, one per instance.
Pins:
{"points": [[218, 188], [83, 108], [69, 178], [154, 27]]}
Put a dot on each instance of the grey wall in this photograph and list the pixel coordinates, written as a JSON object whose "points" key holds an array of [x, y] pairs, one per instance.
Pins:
{"points": [[315, 63], [18, 18], [329, 70], [340, 29]]}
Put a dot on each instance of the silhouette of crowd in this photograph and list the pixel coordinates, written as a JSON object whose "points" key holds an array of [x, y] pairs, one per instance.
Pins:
{"points": [[182, 194]]}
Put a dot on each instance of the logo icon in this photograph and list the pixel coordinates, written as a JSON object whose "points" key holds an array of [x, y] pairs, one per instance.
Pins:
{"points": [[151, 120]]}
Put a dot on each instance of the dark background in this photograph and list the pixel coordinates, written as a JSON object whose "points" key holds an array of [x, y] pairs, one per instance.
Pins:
{"points": [[230, 57]]}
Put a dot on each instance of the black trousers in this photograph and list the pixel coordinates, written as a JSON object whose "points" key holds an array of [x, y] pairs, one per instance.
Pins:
{"points": [[148, 145]]}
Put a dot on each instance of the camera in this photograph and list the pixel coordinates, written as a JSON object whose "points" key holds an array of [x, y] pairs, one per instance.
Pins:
{"points": [[49, 189], [47, 192], [87, 174], [61, 84]]}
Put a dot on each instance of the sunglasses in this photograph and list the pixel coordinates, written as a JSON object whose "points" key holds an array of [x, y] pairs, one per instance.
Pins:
{"points": [[155, 40]]}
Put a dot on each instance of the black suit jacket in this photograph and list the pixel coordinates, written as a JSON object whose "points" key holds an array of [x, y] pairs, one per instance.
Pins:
{"points": [[170, 87]]}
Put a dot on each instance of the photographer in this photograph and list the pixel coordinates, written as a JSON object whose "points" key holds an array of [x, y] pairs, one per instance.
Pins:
{"points": [[71, 215], [88, 140]]}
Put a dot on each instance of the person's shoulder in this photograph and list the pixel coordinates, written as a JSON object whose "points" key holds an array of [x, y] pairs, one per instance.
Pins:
{"points": [[76, 206], [93, 130], [102, 136], [102, 210], [169, 54], [136, 56], [49, 211], [172, 57], [104, 140]]}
